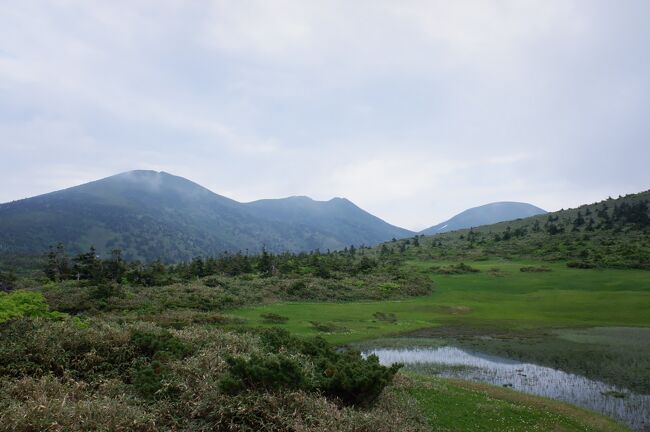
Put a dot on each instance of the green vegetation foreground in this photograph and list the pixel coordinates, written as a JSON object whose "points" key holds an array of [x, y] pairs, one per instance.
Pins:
{"points": [[102, 344]]}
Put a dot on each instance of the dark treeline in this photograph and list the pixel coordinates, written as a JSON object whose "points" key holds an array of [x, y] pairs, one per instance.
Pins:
{"points": [[88, 266]]}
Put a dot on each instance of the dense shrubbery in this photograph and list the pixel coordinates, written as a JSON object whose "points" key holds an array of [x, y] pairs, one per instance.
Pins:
{"points": [[460, 268], [65, 348], [80, 375], [193, 302]]}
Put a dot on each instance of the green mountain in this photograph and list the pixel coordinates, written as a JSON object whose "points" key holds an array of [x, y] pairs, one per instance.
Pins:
{"points": [[152, 215], [485, 215], [328, 221]]}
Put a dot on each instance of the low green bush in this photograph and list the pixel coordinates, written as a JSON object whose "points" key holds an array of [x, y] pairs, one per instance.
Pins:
{"points": [[212, 282], [388, 286], [149, 381], [7, 281], [534, 269], [324, 327], [460, 268], [354, 380], [580, 265], [386, 317], [150, 344], [297, 288], [18, 304], [273, 318]]}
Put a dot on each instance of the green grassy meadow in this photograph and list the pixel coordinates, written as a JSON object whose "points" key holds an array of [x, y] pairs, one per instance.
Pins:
{"points": [[499, 297]]}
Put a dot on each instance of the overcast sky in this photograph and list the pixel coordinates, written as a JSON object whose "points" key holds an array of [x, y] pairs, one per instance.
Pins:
{"points": [[414, 110]]}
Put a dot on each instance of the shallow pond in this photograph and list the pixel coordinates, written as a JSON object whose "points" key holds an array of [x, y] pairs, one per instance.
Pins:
{"points": [[621, 404]]}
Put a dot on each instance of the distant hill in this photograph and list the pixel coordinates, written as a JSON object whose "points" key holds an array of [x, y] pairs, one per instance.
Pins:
{"points": [[151, 215], [485, 215], [613, 233]]}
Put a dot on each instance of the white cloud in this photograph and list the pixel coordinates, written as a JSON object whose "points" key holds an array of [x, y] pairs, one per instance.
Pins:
{"points": [[413, 109]]}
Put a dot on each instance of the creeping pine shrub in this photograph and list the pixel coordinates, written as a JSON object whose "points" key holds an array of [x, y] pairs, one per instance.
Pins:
{"points": [[152, 344], [262, 373], [354, 380], [345, 376], [277, 339], [149, 380]]}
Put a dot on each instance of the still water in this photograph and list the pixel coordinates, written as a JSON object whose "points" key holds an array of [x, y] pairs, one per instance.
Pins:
{"points": [[621, 404]]}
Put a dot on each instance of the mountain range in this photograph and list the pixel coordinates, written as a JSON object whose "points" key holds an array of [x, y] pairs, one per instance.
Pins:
{"points": [[151, 215]]}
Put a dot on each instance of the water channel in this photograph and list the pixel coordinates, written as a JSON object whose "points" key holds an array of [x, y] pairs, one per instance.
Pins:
{"points": [[621, 404]]}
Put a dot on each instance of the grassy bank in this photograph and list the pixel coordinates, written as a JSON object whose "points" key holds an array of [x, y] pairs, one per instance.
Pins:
{"points": [[452, 405]]}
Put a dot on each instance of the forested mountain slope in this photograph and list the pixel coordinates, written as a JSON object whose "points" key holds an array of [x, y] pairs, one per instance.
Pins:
{"points": [[151, 215]]}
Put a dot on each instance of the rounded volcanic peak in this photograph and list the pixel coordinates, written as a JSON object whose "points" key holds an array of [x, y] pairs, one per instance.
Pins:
{"points": [[158, 182], [150, 181], [131, 188], [486, 214], [501, 209]]}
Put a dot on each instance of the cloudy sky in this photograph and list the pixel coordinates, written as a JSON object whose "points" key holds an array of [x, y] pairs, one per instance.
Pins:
{"points": [[414, 110]]}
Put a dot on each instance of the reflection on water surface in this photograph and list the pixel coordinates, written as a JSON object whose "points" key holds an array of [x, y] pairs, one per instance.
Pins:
{"points": [[630, 408]]}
